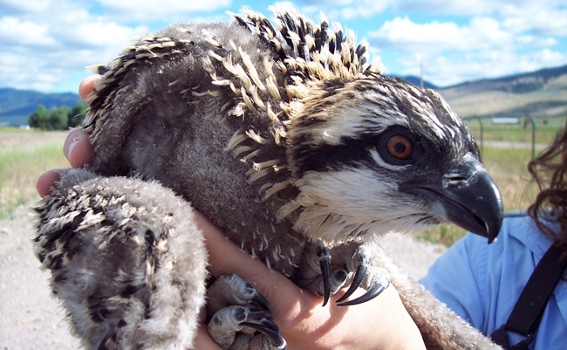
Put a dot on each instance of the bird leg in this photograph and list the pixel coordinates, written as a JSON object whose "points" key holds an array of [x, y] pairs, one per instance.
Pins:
{"points": [[317, 274], [239, 317], [324, 277], [358, 259]]}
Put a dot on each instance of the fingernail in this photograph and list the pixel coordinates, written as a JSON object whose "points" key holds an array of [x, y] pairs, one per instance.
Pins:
{"points": [[69, 145], [74, 142], [72, 139]]}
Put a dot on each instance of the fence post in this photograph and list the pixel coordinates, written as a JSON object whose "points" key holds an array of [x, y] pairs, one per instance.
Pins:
{"points": [[534, 126], [481, 130]]}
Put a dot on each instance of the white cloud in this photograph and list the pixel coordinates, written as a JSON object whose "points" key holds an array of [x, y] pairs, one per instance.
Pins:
{"points": [[482, 48], [454, 7], [28, 72], [45, 42], [101, 34], [327, 2], [497, 9], [289, 6], [546, 58], [40, 51], [340, 9], [14, 31], [404, 35], [448, 68], [536, 41], [550, 22], [365, 8], [163, 10], [11, 7]]}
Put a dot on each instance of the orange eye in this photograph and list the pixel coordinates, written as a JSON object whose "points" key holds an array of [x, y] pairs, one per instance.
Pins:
{"points": [[399, 147]]}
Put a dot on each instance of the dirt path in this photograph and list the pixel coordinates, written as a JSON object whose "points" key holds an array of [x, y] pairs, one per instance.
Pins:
{"points": [[31, 319]]}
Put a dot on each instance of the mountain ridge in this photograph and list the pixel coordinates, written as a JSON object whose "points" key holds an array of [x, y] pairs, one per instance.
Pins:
{"points": [[16, 105], [542, 93]]}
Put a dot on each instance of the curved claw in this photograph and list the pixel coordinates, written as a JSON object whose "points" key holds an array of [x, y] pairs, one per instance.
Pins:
{"points": [[269, 329], [261, 301], [266, 326], [372, 293], [358, 277], [326, 275]]}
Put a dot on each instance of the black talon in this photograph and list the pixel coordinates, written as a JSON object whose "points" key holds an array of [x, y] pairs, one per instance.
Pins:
{"points": [[326, 273], [372, 293], [358, 277], [260, 315], [261, 301], [268, 328]]}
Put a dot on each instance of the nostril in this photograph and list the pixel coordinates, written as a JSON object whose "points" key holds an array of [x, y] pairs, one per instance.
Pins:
{"points": [[454, 179]]}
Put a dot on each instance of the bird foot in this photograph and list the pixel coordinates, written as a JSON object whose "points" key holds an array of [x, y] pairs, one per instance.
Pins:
{"points": [[317, 274], [240, 317], [324, 277], [372, 278]]}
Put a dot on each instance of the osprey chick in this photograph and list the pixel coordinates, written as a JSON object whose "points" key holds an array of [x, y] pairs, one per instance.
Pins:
{"points": [[290, 142]]}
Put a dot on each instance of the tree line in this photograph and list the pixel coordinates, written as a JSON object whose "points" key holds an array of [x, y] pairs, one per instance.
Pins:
{"points": [[61, 118]]}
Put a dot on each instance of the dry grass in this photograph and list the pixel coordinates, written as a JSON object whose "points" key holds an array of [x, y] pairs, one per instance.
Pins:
{"points": [[24, 155]]}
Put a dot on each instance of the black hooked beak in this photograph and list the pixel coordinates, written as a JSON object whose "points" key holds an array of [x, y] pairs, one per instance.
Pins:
{"points": [[466, 196]]}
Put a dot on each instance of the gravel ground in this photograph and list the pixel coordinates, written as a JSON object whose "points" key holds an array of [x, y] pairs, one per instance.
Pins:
{"points": [[32, 319]]}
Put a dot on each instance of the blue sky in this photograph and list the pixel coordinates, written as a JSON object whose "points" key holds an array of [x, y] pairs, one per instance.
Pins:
{"points": [[45, 45]]}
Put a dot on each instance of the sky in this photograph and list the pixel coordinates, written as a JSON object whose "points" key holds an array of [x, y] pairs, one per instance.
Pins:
{"points": [[45, 45]]}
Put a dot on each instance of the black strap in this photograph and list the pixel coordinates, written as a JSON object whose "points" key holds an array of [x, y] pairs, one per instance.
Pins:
{"points": [[527, 312]]}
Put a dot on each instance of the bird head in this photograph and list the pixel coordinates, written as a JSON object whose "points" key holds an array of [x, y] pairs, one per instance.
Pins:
{"points": [[376, 154]]}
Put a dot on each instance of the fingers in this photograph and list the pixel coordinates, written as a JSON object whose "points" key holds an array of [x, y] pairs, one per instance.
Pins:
{"points": [[203, 339], [87, 86], [47, 180], [226, 257], [77, 148], [78, 151]]}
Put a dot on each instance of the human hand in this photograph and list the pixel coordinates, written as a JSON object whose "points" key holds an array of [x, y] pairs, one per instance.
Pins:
{"points": [[382, 323], [77, 147]]}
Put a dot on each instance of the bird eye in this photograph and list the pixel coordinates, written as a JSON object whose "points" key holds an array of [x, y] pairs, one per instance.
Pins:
{"points": [[399, 146]]}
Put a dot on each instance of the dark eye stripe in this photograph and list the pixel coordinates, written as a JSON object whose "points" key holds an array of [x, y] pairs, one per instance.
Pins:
{"points": [[351, 152]]}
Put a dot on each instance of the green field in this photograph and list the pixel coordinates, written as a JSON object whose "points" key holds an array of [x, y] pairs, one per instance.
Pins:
{"points": [[24, 155], [543, 131]]}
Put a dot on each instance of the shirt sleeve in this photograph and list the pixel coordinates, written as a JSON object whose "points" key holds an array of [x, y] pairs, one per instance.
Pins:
{"points": [[457, 279]]}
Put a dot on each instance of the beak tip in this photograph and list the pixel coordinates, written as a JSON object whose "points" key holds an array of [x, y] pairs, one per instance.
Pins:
{"points": [[493, 226]]}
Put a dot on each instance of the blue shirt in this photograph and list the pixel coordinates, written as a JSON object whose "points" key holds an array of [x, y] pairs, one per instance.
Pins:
{"points": [[482, 282]]}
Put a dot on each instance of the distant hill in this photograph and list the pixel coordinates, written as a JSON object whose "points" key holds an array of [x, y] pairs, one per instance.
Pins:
{"points": [[17, 105], [542, 93], [417, 81]]}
